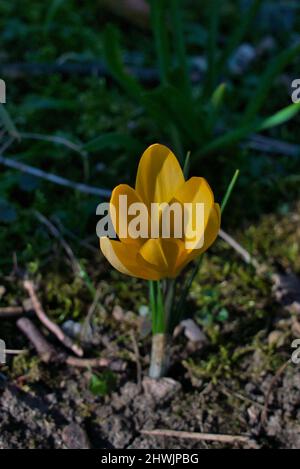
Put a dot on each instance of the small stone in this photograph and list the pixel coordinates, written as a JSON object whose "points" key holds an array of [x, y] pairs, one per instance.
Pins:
{"points": [[118, 313], [162, 389], [295, 308], [241, 59], [144, 311], [75, 437], [276, 338], [130, 318], [193, 332], [71, 328]]}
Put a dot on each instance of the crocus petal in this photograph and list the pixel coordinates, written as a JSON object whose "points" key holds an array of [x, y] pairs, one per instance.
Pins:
{"points": [[159, 175], [162, 254], [210, 235], [124, 258], [120, 215], [195, 191]]}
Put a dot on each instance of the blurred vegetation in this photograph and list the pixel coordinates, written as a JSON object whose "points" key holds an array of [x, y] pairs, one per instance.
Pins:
{"points": [[111, 119]]}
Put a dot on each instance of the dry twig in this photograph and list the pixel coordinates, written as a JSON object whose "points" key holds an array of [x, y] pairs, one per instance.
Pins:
{"points": [[45, 350], [270, 145], [11, 312], [137, 359], [198, 436], [48, 353], [10, 163], [246, 256], [54, 328]]}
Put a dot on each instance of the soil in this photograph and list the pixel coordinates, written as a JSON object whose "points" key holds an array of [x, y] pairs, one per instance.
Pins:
{"points": [[222, 378], [59, 411]]}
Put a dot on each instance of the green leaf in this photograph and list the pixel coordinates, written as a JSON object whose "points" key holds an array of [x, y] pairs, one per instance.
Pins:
{"points": [[229, 190], [281, 116], [218, 96], [160, 31], [173, 107], [186, 167], [217, 100], [52, 11], [223, 315], [241, 133], [179, 43], [214, 16], [226, 140], [35, 103], [152, 300], [103, 383], [264, 88], [113, 58], [161, 326], [112, 140]]}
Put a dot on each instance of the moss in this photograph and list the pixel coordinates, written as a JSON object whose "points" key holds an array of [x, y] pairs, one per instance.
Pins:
{"points": [[25, 365]]}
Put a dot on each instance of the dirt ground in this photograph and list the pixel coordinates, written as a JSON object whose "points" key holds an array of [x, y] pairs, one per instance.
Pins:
{"points": [[233, 379], [57, 410]]}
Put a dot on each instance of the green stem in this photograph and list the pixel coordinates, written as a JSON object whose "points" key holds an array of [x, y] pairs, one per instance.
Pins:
{"points": [[152, 297], [169, 303]]}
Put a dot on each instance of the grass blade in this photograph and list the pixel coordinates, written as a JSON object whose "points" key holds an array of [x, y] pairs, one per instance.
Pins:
{"points": [[158, 19], [214, 15], [152, 300], [186, 167], [52, 11], [112, 140], [239, 134], [179, 43], [113, 58], [161, 326], [228, 139], [218, 96], [264, 88], [229, 190], [217, 100], [281, 116]]}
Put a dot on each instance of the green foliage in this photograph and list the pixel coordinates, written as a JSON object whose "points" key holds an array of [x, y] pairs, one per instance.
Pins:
{"points": [[111, 125], [192, 119], [102, 384], [159, 320]]}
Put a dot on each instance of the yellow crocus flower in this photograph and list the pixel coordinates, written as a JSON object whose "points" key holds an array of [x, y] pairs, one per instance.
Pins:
{"points": [[160, 180]]}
